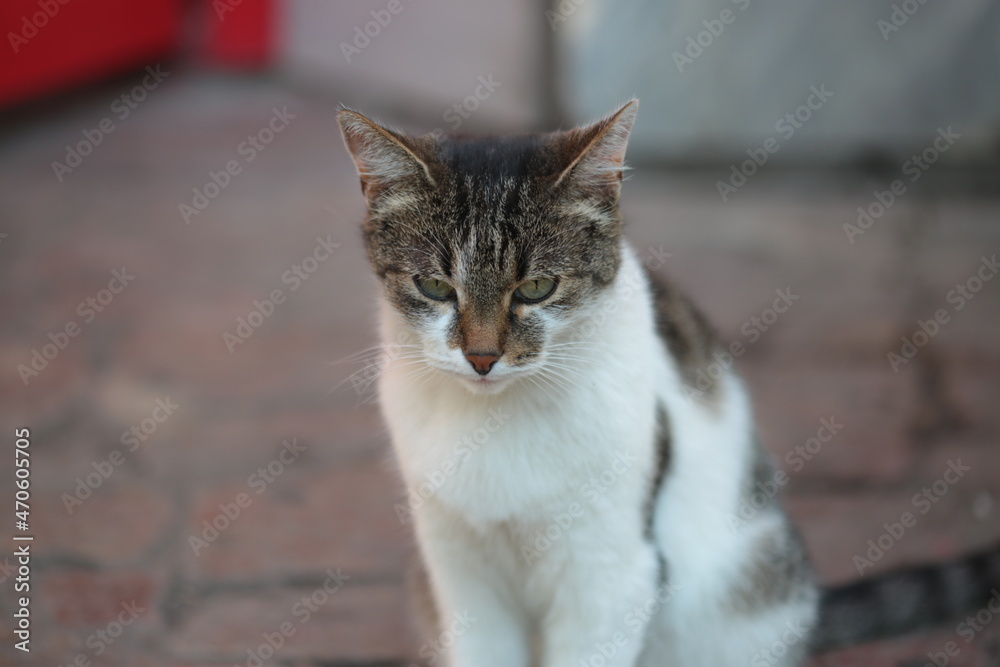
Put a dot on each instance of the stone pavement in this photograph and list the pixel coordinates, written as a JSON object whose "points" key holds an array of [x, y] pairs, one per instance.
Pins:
{"points": [[162, 411]]}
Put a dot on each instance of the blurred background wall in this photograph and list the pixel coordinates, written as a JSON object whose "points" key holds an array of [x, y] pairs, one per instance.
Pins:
{"points": [[716, 77], [719, 75]]}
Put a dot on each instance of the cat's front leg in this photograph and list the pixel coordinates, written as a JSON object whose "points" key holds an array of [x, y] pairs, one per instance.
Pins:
{"points": [[601, 609], [478, 622]]}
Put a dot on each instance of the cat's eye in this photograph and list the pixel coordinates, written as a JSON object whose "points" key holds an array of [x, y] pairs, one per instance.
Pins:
{"points": [[535, 290], [433, 288]]}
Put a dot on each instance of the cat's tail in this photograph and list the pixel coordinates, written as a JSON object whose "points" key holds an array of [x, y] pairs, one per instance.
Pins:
{"points": [[908, 599]]}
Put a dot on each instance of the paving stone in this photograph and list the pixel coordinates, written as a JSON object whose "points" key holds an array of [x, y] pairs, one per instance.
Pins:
{"points": [[93, 599], [304, 522], [119, 524], [240, 445], [334, 508], [971, 393], [967, 306], [363, 622], [935, 648], [732, 259], [947, 519], [869, 408]]}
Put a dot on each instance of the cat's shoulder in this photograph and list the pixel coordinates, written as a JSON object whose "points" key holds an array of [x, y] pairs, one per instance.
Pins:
{"points": [[685, 330]]}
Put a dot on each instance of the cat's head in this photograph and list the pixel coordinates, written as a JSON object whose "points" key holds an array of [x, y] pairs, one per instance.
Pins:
{"points": [[492, 249]]}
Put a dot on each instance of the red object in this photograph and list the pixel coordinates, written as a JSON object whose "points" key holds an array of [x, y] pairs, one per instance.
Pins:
{"points": [[240, 33], [49, 45]]}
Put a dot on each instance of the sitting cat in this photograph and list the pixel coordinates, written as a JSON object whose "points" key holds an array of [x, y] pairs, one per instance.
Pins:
{"points": [[594, 524]]}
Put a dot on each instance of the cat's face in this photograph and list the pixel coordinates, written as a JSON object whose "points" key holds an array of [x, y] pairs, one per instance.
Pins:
{"points": [[493, 250]]}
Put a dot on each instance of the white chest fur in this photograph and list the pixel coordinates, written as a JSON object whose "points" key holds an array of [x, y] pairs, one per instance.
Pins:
{"points": [[521, 454]]}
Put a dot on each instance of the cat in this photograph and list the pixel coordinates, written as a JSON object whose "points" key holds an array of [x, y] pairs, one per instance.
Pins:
{"points": [[590, 522]]}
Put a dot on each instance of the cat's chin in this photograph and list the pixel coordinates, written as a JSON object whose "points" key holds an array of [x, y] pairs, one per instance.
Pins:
{"points": [[485, 386]]}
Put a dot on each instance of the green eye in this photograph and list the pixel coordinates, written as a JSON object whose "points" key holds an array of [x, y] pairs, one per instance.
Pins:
{"points": [[433, 288], [532, 291]]}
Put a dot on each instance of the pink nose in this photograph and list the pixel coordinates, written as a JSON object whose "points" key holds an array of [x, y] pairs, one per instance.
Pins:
{"points": [[482, 362]]}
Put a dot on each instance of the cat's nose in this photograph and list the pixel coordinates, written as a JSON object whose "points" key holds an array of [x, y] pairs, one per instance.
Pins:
{"points": [[482, 361]]}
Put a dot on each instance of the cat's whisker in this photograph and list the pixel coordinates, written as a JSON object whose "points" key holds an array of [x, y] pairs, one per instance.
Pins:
{"points": [[380, 363], [569, 357], [572, 350], [575, 343], [413, 362], [372, 352], [368, 377], [539, 379], [565, 362], [560, 382], [555, 362], [380, 347], [385, 360], [424, 378], [531, 378], [565, 380]]}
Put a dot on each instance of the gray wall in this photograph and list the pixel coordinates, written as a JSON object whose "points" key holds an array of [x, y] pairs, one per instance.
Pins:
{"points": [[892, 88], [428, 57]]}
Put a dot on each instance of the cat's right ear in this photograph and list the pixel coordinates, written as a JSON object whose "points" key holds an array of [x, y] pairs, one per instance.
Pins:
{"points": [[385, 159], [594, 155]]}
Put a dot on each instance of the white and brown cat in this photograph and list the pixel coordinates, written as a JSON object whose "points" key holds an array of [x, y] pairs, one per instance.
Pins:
{"points": [[592, 523]]}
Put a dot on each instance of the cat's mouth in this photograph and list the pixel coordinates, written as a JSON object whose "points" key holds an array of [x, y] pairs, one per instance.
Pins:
{"points": [[481, 384], [485, 385], [498, 379]]}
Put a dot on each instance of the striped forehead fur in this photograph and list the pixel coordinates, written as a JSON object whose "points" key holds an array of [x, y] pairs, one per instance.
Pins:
{"points": [[502, 209]]}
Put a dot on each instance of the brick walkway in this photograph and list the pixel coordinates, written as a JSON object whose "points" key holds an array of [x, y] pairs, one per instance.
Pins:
{"points": [[316, 551]]}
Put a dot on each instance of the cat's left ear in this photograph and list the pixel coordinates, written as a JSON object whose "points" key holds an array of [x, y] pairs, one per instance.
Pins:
{"points": [[593, 156], [385, 159]]}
